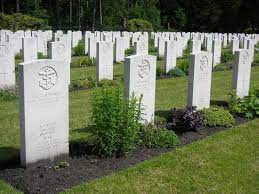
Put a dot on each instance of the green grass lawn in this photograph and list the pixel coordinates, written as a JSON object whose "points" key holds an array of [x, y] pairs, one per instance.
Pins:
{"points": [[199, 157]]}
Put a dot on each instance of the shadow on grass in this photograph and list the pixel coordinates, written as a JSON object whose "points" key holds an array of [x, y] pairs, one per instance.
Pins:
{"points": [[163, 113], [218, 103]]}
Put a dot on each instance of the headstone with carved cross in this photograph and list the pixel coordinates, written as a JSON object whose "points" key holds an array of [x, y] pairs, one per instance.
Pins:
{"points": [[140, 79], [199, 85], [241, 72], [43, 110], [7, 66]]}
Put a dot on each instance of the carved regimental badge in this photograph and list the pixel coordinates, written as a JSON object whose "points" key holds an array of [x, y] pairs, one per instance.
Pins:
{"points": [[143, 69], [61, 49], [3, 50], [48, 77], [245, 57], [204, 63]]}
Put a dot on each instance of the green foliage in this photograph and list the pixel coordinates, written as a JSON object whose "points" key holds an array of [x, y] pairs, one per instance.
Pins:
{"points": [[79, 50], [159, 71], [83, 83], [87, 61], [222, 67], [41, 56], [20, 21], [137, 25], [157, 137], [247, 106], [181, 18], [176, 72], [183, 65], [129, 51], [160, 121], [9, 94], [106, 82], [59, 166], [227, 56], [116, 122], [217, 116]]}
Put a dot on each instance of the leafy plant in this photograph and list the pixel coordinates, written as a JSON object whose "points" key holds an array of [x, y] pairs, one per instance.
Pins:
{"points": [[217, 116], [183, 65], [159, 71], [106, 82], [129, 51], [83, 83], [157, 137], [79, 50], [247, 106], [187, 119], [176, 72], [8, 94], [87, 61], [59, 166], [116, 122], [137, 25], [41, 56], [222, 67], [227, 56]]}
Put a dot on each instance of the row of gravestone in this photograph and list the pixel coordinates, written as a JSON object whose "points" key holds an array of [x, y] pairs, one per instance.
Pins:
{"points": [[44, 91]]}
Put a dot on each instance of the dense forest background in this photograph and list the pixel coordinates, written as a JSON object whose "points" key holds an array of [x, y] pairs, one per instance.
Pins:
{"points": [[170, 15]]}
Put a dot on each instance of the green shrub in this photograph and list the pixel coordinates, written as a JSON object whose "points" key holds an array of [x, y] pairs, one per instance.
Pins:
{"points": [[116, 122], [41, 56], [160, 58], [20, 21], [9, 94], [79, 50], [139, 25], [176, 72], [156, 137], [247, 106], [18, 56], [129, 51], [222, 67], [160, 121], [227, 56], [87, 61], [152, 50], [183, 65], [83, 83], [217, 116], [106, 82], [159, 71]]}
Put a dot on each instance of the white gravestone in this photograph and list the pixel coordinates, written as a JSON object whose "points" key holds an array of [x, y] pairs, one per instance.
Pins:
{"points": [[241, 72], [234, 45], [196, 46], [141, 47], [44, 118], [119, 49], [104, 61], [140, 78], [216, 50], [30, 52], [92, 42], [199, 84], [7, 66], [170, 55], [161, 46]]}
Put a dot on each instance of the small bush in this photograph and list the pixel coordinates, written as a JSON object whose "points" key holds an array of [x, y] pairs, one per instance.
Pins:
{"points": [[176, 72], [160, 121], [83, 83], [139, 25], [106, 82], [87, 61], [156, 137], [41, 56], [217, 116], [116, 122], [129, 51], [18, 56], [227, 56], [247, 106], [152, 50], [9, 94], [79, 50], [160, 58], [183, 65], [159, 71], [222, 67], [187, 119]]}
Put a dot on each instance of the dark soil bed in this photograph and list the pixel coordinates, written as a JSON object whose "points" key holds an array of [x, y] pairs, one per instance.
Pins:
{"points": [[42, 178]]}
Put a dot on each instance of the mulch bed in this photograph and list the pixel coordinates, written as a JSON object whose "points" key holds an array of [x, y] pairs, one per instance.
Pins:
{"points": [[83, 166]]}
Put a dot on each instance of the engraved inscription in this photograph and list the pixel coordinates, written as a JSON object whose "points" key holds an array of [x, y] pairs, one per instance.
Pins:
{"points": [[204, 63], [245, 57], [3, 50], [48, 78], [61, 49], [142, 46], [143, 69]]}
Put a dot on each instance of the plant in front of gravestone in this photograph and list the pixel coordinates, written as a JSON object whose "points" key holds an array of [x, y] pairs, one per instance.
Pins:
{"points": [[115, 121], [159, 72], [217, 116], [61, 165], [79, 50], [107, 82], [227, 56], [158, 137], [9, 94], [221, 67], [176, 72], [247, 107], [160, 58], [186, 119], [183, 64], [129, 51], [87, 61], [41, 56]]}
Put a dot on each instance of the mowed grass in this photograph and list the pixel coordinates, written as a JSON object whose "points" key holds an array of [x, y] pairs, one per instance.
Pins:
{"points": [[222, 163]]}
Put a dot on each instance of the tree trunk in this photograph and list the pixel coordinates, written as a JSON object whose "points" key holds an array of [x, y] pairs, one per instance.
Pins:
{"points": [[70, 11], [94, 10], [17, 6], [2, 6], [79, 14], [101, 15]]}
